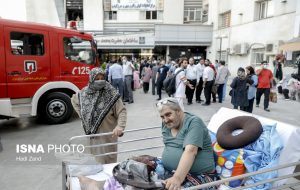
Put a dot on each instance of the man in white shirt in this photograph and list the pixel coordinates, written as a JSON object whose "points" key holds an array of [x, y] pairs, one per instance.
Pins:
{"points": [[192, 76], [208, 81], [128, 77], [115, 76], [181, 82], [199, 87]]}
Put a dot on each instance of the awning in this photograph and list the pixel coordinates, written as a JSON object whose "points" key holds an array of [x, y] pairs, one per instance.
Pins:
{"points": [[291, 45]]}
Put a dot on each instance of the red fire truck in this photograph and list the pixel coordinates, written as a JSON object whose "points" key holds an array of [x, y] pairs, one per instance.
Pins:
{"points": [[41, 66]]}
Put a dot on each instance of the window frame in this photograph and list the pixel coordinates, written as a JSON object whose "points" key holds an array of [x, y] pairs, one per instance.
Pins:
{"points": [[265, 9], [110, 15], [20, 51], [225, 20], [106, 5], [151, 13], [189, 11], [74, 55], [258, 52], [224, 55]]}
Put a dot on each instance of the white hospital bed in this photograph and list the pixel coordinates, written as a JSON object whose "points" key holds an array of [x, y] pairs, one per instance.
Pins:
{"points": [[288, 160]]}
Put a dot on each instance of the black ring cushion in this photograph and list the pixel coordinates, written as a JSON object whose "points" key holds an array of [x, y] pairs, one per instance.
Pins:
{"points": [[251, 127]]}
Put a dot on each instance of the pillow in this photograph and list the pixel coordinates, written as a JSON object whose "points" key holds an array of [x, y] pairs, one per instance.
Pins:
{"points": [[251, 130]]}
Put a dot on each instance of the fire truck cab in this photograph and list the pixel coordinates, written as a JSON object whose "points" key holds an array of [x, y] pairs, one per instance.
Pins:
{"points": [[41, 67]]}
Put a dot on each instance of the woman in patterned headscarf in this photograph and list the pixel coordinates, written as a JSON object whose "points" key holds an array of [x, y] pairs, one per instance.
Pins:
{"points": [[240, 85], [101, 110]]}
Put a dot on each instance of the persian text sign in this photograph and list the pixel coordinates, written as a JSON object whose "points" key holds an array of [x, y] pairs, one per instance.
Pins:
{"points": [[133, 4], [145, 39]]}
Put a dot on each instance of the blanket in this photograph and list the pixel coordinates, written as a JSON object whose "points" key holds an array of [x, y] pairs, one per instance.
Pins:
{"points": [[262, 154]]}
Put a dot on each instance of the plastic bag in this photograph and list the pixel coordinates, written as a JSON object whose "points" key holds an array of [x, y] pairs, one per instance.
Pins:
{"points": [[80, 164], [135, 174]]}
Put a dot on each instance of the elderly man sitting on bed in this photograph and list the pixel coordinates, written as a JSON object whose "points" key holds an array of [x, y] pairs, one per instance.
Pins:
{"points": [[188, 150]]}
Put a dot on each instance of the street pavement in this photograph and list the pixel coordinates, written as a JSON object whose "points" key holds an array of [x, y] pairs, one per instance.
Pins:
{"points": [[47, 175]]}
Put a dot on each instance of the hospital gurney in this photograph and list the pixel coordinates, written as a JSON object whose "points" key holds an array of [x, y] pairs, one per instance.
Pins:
{"points": [[288, 160]]}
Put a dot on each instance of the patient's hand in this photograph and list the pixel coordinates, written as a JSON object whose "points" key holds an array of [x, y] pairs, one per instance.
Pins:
{"points": [[173, 183]]}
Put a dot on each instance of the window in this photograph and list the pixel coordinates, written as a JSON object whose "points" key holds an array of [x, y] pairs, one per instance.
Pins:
{"points": [[26, 43], [265, 9], [151, 15], [107, 5], [76, 49], [110, 15], [224, 21], [224, 55], [192, 14], [258, 55]]}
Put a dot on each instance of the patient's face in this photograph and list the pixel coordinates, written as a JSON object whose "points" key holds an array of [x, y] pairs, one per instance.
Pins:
{"points": [[170, 117]]}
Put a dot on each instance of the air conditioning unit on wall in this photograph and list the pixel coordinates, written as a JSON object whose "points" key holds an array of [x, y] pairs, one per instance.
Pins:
{"points": [[241, 49], [230, 51], [186, 19], [272, 48]]}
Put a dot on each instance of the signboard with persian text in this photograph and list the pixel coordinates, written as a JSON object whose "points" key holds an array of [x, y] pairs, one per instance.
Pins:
{"points": [[136, 5], [123, 41]]}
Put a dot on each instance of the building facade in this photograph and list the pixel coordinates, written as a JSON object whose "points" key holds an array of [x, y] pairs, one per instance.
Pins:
{"points": [[144, 28], [250, 32], [242, 34], [137, 28]]}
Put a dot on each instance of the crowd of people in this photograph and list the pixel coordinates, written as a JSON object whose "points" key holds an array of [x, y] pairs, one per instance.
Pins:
{"points": [[191, 78], [249, 85], [210, 78]]}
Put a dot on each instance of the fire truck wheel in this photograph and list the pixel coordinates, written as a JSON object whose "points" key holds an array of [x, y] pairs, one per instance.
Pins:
{"points": [[56, 108]]}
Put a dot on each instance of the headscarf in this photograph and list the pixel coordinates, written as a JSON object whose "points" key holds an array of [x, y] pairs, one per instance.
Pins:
{"points": [[95, 101], [241, 73]]}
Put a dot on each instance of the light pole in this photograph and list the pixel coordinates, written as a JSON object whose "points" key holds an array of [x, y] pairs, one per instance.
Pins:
{"points": [[220, 48]]}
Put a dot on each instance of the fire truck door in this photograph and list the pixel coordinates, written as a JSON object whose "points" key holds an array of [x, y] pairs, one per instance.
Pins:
{"points": [[27, 60], [76, 59]]}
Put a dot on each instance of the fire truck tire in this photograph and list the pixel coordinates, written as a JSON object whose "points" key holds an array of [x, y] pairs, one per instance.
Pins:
{"points": [[56, 108]]}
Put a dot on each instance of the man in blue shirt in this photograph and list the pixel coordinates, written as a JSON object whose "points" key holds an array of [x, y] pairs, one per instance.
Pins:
{"points": [[115, 76]]}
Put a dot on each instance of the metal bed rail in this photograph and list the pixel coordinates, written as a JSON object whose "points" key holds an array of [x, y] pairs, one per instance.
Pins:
{"points": [[222, 181], [121, 141], [219, 182]]}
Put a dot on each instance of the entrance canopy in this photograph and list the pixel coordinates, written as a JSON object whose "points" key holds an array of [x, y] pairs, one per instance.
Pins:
{"points": [[291, 45]]}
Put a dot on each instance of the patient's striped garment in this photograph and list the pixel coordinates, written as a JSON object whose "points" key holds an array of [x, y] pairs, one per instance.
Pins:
{"points": [[194, 180]]}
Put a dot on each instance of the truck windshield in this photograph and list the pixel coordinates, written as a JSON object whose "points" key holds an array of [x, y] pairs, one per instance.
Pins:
{"points": [[79, 50]]}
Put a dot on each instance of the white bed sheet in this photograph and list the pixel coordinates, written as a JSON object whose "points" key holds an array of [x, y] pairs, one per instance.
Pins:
{"points": [[289, 134]]}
